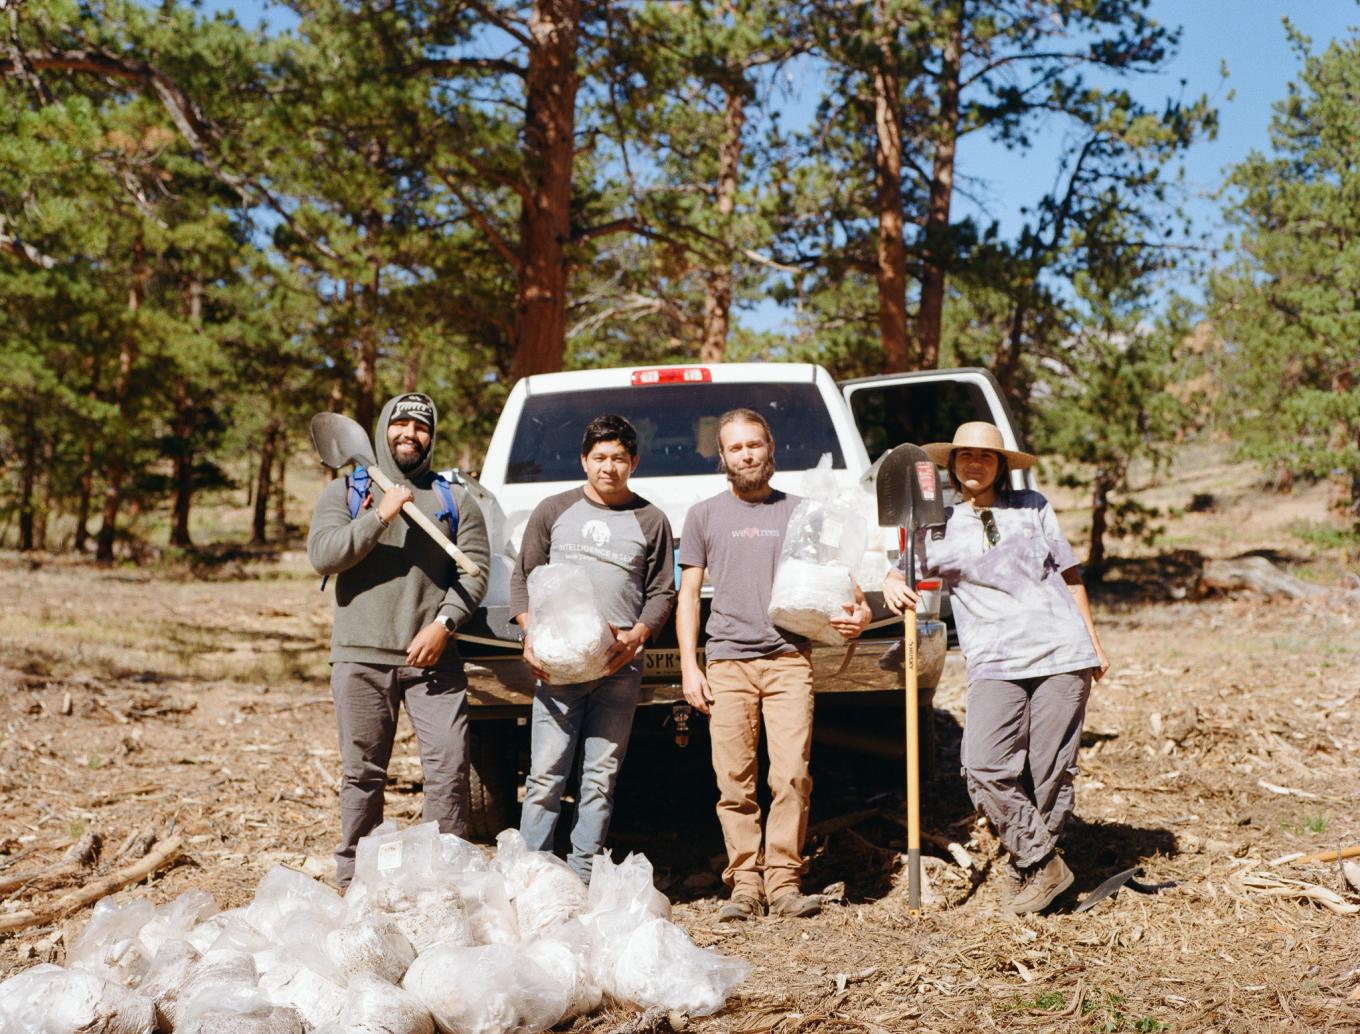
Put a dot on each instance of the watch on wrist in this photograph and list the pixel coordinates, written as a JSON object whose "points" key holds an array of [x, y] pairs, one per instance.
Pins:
{"points": [[448, 623]]}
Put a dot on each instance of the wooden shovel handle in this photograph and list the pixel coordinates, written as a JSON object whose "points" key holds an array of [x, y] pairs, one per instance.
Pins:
{"points": [[913, 764], [433, 530]]}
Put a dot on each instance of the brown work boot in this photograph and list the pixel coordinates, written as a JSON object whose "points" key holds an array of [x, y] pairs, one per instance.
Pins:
{"points": [[795, 905], [1012, 881], [1041, 885], [739, 907]]}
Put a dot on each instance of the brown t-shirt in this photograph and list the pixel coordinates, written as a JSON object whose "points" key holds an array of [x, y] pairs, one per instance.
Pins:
{"points": [[738, 542]]}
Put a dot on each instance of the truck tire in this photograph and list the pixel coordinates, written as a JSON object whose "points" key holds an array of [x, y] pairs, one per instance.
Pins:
{"points": [[493, 778]]}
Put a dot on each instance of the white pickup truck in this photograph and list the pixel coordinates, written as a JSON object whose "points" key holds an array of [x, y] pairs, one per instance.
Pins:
{"points": [[535, 452]]}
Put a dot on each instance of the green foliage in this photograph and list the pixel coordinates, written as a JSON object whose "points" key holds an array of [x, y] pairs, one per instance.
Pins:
{"points": [[1289, 306]]}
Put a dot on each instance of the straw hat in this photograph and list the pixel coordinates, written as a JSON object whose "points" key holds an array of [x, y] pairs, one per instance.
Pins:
{"points": [[978, 434]]}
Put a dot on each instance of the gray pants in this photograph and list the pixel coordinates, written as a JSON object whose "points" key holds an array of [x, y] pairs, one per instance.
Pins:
{"points": [[367, 700], [1009, 723]]}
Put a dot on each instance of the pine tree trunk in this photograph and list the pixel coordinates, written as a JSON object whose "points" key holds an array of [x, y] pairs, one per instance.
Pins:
{"points": [[550, 123], [84, 494], [1100, 502], [892, 249], [281, 490], [27, 478], [718, 283], [45, 505], [930, 317], [184, 467], [117, 469], [410, 380], [259, 518]]}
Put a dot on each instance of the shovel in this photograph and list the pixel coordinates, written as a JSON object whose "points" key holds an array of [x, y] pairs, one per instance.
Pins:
{"points": [[339, 441], [909, 498]]}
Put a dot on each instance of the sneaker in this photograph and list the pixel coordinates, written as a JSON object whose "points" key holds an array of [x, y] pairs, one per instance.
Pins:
{"points": [[795, 905], [1042, 883], [740, 906]]}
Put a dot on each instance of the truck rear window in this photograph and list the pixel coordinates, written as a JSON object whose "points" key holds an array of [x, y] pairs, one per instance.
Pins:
{"points": [[676, 424], [918, 412]]}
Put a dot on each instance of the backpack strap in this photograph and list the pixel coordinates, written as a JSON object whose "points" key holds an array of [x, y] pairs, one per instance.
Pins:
{"points": [[356, 491], [444, 487]]}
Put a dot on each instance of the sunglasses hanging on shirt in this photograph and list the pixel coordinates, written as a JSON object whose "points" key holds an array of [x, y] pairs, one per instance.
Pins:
{"points": [[989, 527]]}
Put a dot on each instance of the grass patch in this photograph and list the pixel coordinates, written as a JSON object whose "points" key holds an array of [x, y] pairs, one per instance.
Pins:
{"points": [[1325, 535]]}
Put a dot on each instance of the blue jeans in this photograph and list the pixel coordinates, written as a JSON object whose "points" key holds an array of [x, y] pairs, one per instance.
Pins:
{"points": [[601, 714]]}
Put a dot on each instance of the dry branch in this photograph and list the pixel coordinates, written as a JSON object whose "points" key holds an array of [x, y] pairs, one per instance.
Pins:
{"points": [[1328, 856], [91, 892], [79, 855]]}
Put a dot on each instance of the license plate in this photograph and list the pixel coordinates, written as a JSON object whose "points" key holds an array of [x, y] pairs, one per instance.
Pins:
{"points": [[664, 663]]}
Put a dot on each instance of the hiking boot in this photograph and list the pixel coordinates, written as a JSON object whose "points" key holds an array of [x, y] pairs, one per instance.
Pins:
{"points": [[795, 905], [1042, 883], [1012, 881], [740, 906]]}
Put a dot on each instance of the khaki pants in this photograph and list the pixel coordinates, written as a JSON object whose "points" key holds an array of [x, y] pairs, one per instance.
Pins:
{"points": [[777, 688]]}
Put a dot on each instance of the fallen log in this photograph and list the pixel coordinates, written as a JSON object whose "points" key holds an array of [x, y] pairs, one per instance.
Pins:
{"points": [[76, 899], [1256, 574]]}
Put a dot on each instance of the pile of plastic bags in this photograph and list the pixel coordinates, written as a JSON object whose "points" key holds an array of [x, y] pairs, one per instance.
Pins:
{"points": [[431, 936], [824, 545], [569, 635]]}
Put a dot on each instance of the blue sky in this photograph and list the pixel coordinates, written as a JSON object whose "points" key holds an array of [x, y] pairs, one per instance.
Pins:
{"points": [[1245, 35]]}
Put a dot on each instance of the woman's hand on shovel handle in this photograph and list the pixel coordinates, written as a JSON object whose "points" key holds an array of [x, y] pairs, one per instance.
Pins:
{"points": [[896, 594]]}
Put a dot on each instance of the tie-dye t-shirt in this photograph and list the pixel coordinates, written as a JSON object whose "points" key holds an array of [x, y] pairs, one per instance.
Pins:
{"points": [[1015, 615]]}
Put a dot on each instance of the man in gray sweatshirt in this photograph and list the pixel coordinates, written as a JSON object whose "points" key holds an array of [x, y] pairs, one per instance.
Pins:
{"points": [[398, 599]]}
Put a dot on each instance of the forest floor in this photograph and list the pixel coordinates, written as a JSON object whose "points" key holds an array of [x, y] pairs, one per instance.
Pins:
{"points": [[1225, 737]]}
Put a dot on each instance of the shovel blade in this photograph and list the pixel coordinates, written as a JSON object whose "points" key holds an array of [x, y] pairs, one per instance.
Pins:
{"points": [[340, 441], [908, 490]]}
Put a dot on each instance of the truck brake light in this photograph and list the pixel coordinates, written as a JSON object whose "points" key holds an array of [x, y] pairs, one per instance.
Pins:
{"points": [[929, 585], [672, 375]]}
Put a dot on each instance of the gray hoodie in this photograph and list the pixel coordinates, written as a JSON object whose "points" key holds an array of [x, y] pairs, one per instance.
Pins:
{"points": [[394, 581]]}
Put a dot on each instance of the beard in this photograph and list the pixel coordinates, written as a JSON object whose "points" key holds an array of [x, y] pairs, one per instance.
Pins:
{"points": [[750, 479], [412, 461]]}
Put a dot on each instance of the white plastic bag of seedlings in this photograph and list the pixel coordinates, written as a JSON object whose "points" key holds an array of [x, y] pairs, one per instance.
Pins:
{"points": [[567, 631], [372, 945], [110, 945], [399, 876], [565, 954], [491, 913], [177, 918], [373, 1006], [658, 966], [166, 981], [487, 989], [545, 892], [814, 582], [50, 1000], [627, 885], [315, 996], [292, 908]]}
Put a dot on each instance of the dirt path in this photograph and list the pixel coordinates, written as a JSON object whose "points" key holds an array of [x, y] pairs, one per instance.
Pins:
{"points": [[132, 703]]}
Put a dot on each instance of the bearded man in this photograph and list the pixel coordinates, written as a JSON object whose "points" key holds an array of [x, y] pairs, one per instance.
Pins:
{"points": [[398, 599], [755, 672]]}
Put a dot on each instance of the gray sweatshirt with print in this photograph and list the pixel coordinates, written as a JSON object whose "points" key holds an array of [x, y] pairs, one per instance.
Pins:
{"points": [[391, 582]]}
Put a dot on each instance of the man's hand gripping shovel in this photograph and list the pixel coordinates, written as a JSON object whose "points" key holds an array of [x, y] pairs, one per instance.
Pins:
{"points": [[339, 441], [909, 498]]}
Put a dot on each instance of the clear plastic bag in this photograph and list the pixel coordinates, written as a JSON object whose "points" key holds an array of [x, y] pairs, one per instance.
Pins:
{"points": [[177, 918], [488, 989], [290, 907], [626, 885], [545, 891], [569, 635], [659, 966], [110, 945], [316, 998], [51, 1000], [168, 978], [404, 876], [823, 546], [371, 945], [491, 913], [374, 1006], [564, 953]]}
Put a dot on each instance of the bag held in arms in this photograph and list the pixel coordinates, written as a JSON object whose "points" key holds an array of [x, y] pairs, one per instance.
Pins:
{"points": [[569, 635], [823, 545]]}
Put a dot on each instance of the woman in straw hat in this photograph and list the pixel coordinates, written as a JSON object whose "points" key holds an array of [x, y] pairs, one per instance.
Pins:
{"points": [[1030, 647]]}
